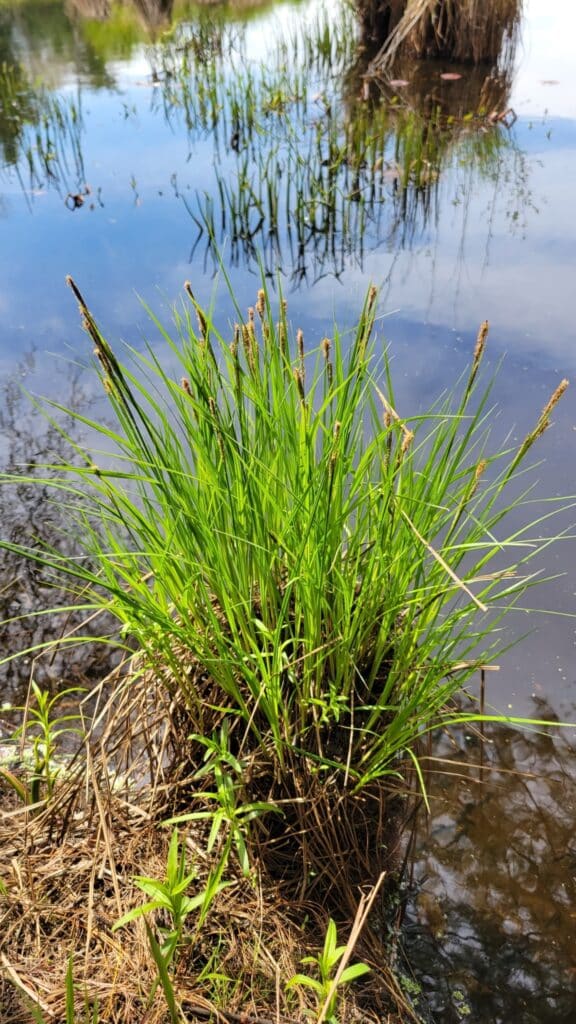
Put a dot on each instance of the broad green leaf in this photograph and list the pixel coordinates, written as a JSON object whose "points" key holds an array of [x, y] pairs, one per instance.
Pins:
{"points": [[136, 912], [303, 979], [353, 971]]}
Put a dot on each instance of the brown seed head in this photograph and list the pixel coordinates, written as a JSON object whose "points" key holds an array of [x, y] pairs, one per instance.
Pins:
{"points": [[300, 346], [477, 357], [406, 441], [77, 293], [481, 341], [478, 473], [218, 432], [299, 384], [202, 322], [282, 337], [248, 342], [101, 358], [554, 399], [325, 346], [544, 419], [542, 424]]}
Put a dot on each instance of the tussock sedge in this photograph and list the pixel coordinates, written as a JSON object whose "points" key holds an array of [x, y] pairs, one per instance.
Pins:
{"points": [[308, 575]]}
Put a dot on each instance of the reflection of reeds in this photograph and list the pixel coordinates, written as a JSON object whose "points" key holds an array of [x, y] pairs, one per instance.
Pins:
{"points": [[310, 172], [477, 94], [314, 159], [40, 134], [314, 202]]}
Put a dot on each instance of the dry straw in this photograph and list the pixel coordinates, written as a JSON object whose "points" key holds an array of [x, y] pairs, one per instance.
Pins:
{"points": [[475, 31]]}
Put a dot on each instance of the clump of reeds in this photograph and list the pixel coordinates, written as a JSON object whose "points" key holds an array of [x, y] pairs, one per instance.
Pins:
{"points": [[306, 570], [462, 30]]}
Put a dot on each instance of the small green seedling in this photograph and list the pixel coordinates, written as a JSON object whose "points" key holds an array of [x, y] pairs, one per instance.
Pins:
{"points": [[326, 963], [169, 895], [228, 814], [43, 728], [89, 1014]]}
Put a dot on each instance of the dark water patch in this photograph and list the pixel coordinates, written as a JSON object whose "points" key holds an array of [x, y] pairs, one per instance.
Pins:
{"points": [[33, 448], [491, 931]]}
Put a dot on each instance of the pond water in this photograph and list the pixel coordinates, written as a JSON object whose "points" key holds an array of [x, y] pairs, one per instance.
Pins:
{"points": [[139, 143]]}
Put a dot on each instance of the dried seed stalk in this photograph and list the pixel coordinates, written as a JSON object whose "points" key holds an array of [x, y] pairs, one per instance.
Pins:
{"points": [[478, 354], [202, 322], [543, 421], [328, 361]]}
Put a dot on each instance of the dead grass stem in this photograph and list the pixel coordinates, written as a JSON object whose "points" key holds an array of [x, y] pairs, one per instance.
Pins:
{"points": [[68, 876]]}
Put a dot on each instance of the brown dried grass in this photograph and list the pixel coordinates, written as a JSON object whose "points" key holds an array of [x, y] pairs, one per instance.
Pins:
{"points": [[474, 31], [68, 872], [65, 899]]}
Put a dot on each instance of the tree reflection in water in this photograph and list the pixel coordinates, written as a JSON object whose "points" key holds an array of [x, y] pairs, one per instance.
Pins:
{"points": [[494, 919]]}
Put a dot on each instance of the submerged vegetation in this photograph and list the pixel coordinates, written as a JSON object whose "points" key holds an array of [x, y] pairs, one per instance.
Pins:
{"points": [[305, 580]]}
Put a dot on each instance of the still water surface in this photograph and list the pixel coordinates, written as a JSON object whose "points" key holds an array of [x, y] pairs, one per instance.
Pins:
{"points": [[128, 136]]}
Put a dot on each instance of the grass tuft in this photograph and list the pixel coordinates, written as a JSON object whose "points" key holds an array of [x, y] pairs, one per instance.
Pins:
{"points": [[313, 576]]}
